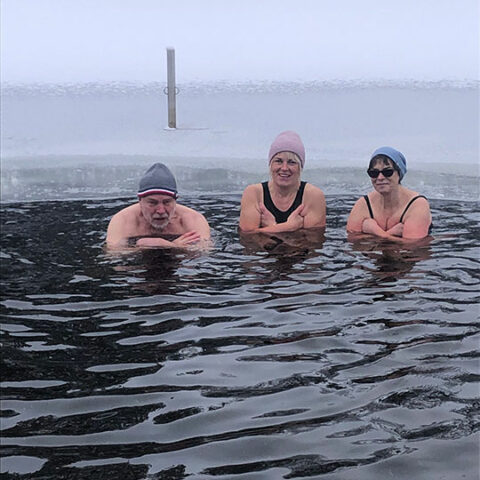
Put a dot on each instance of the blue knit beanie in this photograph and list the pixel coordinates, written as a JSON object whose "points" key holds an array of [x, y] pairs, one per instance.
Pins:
{"points": [[395, 156]]}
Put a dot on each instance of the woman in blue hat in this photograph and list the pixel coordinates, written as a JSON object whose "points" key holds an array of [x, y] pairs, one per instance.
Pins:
{"points": [[390, 211]]}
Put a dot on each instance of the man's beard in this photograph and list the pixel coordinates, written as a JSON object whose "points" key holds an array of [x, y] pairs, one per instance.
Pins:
{"points": [[159, 224]]}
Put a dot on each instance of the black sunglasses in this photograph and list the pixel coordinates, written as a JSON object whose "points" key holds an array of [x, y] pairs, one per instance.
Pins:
{"points": [[375, 172]]}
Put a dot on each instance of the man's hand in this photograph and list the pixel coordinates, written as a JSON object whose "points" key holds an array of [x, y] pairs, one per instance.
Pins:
{"points": [[187, 239], [183, 241]]}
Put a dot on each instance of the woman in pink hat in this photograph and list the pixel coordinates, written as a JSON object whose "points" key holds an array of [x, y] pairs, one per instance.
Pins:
{"points": [[284, 203]]}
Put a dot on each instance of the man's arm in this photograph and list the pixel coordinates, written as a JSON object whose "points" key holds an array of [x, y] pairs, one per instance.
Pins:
{"points": [[183, 241], [194, 221], [116, 235], [197, 234]]}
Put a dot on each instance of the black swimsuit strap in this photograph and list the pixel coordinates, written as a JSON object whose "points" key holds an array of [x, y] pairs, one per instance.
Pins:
{"points": [[280, 215], [367, 200], [408, 205], [368, 205]]}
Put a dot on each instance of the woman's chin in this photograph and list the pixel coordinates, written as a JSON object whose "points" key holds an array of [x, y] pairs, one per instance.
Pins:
{"points": [[382, 188]]}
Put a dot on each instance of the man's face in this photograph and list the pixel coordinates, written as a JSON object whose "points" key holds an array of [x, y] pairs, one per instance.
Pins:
{"points": [[158, 209]]}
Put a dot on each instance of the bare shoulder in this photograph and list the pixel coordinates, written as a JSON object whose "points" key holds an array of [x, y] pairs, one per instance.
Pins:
{"points": [[314, 200], [419, 200], [361, 203], [250, 217], [189, 219], [188, 213], [315, 210], [127, 213], [123, 225], [253, 191], [417, 205], [417, 217], [313, 193], [358, 214]]}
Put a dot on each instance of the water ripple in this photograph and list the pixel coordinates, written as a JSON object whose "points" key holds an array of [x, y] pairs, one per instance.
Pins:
{"points": [[336, 359]]}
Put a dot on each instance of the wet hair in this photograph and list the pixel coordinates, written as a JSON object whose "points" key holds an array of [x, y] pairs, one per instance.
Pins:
{"points": [[387, 161]]}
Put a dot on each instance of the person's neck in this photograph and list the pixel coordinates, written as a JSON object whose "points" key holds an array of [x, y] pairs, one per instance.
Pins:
{"points": [[391, 200], [283, 191]]}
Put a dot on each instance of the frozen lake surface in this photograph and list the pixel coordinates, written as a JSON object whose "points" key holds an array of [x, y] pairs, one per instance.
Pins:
{"points": [[79, 141]]}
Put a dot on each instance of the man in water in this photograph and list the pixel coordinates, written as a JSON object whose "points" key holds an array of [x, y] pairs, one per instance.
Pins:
{"points": [[157, 220]]}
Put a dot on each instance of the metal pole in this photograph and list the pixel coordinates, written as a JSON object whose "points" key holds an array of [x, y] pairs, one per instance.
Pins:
{"points": [[172, 114]]}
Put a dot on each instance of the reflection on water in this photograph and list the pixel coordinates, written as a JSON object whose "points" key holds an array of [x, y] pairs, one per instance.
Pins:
{"points": [[284, 243], [326, 358], [391, 261]]}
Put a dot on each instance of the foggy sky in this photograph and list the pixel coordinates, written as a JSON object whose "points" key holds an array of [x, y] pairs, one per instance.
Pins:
{"points": [[239, 40]]}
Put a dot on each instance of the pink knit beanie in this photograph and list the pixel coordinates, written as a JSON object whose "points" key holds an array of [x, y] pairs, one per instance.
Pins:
{"points": [[287, 141]]}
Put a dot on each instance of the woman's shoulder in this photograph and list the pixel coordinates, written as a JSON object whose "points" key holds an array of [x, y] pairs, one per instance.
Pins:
{"points": [[314, 198], [253, 189], [313, 190], [410, 195], [361, 202]]}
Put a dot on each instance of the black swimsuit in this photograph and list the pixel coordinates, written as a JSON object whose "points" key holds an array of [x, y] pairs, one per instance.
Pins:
{"points": [[281, 216], [404, 211]]}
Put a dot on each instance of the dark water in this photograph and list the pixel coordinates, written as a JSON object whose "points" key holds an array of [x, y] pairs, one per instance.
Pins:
{"points": [[330, 360]]}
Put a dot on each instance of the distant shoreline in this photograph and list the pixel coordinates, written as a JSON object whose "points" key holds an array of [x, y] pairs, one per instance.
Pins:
{"points": [[121, 88], [243, 164], [89, 176]]}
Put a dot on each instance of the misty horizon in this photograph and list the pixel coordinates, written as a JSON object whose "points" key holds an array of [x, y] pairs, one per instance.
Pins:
{"points": [[53, 41]]}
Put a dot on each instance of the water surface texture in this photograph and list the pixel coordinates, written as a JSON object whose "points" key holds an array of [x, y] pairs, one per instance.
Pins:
{"points": [[331, 359]]}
